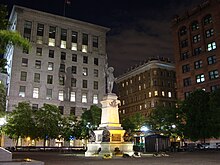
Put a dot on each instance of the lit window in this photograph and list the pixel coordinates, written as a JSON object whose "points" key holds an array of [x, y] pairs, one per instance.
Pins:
{"points": [[211, 46], [74, 40], [85, 71], [63, 38], [209, 33], [95, 99], [37, 77], [52, 35], [39, 51], [40, 33], [61, 95], [213, 74], [139, 87], [195, 25], [196, 38], [123, 85], [140, 107], [73, 96], [49, 94], [149, 94], [61, 80], [84, 42], [155, 93], [163, 93], [22, 90], [131, 81], [84, 98], [36, 93], [50, 66], [169, 94], [200, 78]]}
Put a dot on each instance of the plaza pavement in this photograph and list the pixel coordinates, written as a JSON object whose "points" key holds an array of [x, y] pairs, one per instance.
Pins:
{"points": [[177, 158]]}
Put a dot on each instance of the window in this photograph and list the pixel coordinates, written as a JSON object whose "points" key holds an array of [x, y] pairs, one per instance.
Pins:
{"points": [[84, 98], [74, 69], [63, 38], [186, 94], [96, 73], [155, 93], [49, 79], [63, 56], [85, 59], [37, 64], [84, 42], [73, 96], [95, 41], [183, 31], [187, 82], [34, 107], [36, 93], [72, 110], [163, 93], [23, 76], [184, 55], [84, 84], [61, 95], [61, 109], [39, 51], [74, 57], [85, 71], [27, 30], [40, 33], [211, 46], [61, 80], [209, 33], [49, 94], [96, 61], [197, 51], [214, 87], [149, 94], [184, 43], [22, 90], [207, 19], [95, 85], [74, 40], [24, 62], [73, 82], [52, 35], [169, 94], [62, 68], [51, 53], [195, 25], [95, 99], [200, 78], [50, 66], [37, 77], [185, 68], [211, 60], [198, 64], [213, 74], [196, 38]]}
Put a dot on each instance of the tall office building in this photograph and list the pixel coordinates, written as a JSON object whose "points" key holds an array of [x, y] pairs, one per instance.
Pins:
{"points": [[64, 67], [144, 87], [196, 36]]}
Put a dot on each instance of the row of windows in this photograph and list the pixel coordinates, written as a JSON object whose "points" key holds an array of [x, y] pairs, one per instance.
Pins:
{"points": [[63, 56], [62, 68], [196, 51], [200, 78], [62, 80], [61, 95], [199, 64], [65, 36], [195, 25]]}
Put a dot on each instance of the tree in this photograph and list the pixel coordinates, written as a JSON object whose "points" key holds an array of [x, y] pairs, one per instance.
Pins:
{"points": [[128, 125], [47, 120], [20, 123], [2, 99], [197, 116], [214, 103]]}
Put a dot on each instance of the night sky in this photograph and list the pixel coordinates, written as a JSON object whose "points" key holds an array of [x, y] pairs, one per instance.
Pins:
{"points": [[139, 28]]}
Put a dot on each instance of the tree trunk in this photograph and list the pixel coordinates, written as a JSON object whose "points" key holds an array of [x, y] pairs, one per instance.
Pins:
{"points": [[44, 143]]}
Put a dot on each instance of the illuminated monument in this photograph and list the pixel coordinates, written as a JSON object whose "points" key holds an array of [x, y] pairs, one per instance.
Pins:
{"points": [[109, 138]]}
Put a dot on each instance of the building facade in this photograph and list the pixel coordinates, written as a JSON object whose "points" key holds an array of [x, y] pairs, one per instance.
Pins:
{"points": [[64, 67], [196, 36], [149, 85]]}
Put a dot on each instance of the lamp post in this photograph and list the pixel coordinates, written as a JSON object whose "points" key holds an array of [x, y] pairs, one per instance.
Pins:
{"points": [[144, 129]]}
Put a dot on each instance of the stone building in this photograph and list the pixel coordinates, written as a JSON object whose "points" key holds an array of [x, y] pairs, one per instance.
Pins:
{"points": [[64, 67], [146, 86], [196, 36]]}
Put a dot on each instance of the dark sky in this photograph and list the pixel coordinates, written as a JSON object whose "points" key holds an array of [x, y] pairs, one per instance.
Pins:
{"points": [[139, 28]]}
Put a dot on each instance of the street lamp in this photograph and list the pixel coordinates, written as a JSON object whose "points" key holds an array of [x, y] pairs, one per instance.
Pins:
{"points": [[144, 129]]}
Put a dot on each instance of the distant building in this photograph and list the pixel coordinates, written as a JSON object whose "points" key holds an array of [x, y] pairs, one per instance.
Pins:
{"points": [[146, 86], [65, 66], [196, 36]]}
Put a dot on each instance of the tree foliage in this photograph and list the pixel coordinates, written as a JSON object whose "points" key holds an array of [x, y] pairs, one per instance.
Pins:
{"points": [[2, 99], [197, 116]]}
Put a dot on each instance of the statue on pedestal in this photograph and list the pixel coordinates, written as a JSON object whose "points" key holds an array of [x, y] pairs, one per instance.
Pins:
{"points": [[105, 135], [110, 78], [91, 136]]}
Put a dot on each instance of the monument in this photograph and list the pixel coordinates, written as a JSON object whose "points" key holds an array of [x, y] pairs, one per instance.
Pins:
{"points": [[109, 139]]}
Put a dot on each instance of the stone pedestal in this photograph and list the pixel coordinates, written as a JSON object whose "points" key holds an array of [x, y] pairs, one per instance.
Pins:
{"points": [[5, 155], [109, 123]]}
